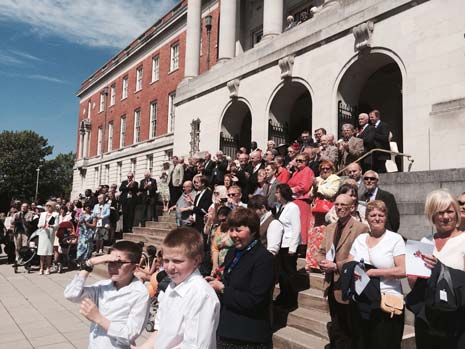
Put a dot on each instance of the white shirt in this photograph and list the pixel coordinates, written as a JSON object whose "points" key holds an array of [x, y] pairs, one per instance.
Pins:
{"points": [[126, 308], [453, 252], [290, 219], [274, 233], [381, 256], [188, 315]]}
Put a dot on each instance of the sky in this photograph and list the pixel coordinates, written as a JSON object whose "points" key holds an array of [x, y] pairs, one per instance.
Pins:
{"points": [[49, 47]]}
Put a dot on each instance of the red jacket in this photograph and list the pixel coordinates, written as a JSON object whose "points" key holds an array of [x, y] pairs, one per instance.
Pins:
{"points": [[301, 182]]}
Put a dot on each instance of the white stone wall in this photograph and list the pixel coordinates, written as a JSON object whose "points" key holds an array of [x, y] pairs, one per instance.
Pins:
{"points": [[426, 41], [158, 149]]}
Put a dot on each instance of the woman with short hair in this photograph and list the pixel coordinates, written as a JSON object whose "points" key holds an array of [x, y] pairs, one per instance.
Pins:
{"points": [[385, 251], [444, 213], [245, 291]]}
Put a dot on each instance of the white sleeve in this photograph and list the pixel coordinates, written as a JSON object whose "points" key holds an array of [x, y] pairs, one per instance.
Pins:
{"points": [[355, 249], [399, 246], [274, 236], [127, 332], [76, 291], [294, 218], [201, 323]]}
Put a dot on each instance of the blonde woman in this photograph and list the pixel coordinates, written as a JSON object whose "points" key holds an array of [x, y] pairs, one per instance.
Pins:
{"points": [[48, 225]]}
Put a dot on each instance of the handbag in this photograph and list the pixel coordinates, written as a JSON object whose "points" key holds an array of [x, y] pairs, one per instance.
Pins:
{"points": [[321, 205], [392, 303]]}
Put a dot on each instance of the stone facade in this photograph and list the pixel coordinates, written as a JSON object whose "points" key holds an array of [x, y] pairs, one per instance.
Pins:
{"points": [[103, 158], [415, 49]]}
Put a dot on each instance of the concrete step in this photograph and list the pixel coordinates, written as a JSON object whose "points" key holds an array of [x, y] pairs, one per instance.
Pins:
{"points": [[313, 299], [150, 231], [316, 281], [292, 338], [146, 239], [160, 225], [309, 320], [169, 219]]}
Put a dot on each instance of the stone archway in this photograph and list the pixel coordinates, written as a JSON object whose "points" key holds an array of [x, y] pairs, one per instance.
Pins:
{"points": [[373, 81], [236, 128], [290, 112]]}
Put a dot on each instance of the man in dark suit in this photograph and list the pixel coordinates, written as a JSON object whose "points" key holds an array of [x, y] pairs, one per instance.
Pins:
{"points": [[209, 165], [354, 171], [382, 131], [128, 199], [271, 183], [148, 196], [367, 133], [333, 253], [256, 163], [202, 201], [221, 165], [313, 161], [373, 192]]}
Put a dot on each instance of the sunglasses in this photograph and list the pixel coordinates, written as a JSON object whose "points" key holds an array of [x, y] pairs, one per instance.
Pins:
{"points": [[461, 203], [370, 179], [233, 194], [299, 160], [118, 264], [325, 168]]}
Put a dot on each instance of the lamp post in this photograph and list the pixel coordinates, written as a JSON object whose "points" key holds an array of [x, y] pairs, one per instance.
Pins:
{"points": [[208, 26], [37, 183]]}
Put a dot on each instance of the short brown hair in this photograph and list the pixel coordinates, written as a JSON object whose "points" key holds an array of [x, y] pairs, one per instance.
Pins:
{"points": [[188, 238], [244, 217], [132, 249], [376, 204]]}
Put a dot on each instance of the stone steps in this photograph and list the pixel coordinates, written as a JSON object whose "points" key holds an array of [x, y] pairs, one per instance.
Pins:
{"points": [[161, 225], [292, 338]]}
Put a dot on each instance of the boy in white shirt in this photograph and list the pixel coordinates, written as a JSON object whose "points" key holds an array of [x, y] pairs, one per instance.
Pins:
{"points": [[117, 307], [188, 314]]}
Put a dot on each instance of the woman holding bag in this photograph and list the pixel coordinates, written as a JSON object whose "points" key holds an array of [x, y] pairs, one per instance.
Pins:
{"points": [[384, 250], [324, 190]]}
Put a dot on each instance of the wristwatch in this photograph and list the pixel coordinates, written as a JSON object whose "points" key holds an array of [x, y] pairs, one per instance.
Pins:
{"points": [[87, 266]]}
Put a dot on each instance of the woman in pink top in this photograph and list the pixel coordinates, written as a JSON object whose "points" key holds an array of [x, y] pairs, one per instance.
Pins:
{"points": [[300, 184], [282, 175]]}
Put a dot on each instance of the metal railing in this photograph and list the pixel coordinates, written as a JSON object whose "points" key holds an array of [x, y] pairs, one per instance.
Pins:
{"points": [[407, 156]]}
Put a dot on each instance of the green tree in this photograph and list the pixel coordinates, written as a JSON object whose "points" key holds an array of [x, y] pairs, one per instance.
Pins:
{"points": [[57, 176], [22, 152]]}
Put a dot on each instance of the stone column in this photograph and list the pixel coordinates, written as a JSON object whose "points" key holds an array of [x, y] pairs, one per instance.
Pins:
{"points": [[192, 56], [272, 18], [86, 144], [81, 141], [227, 40]]}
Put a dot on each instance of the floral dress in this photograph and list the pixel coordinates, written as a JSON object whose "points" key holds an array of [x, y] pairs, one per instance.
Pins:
{"points": [[86, 236], [222, 242]]}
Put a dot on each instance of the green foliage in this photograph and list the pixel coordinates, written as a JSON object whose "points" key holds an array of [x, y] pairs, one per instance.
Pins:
{"points": [[57, 176], [22, 152]]}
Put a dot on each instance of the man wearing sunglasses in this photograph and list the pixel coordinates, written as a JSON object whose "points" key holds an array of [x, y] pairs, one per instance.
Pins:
{"points": [[373, 192], [117, 307]]}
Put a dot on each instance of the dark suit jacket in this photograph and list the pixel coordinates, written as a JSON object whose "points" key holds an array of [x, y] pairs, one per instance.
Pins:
{"points": [[382, 140], [209, 166], [350, 232], [315, 167], [368, 136], [125, 190], [253, 180], [201, 208], [271, 195], [393, 219], [217, 175], [150, 192], [247, 295]]}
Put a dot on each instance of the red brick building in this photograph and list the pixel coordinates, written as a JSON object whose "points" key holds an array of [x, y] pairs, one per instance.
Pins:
{"points": [[126, 114]]}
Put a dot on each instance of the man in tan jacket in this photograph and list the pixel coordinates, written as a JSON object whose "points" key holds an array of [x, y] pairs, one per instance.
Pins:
{"points": [[333, 253]]}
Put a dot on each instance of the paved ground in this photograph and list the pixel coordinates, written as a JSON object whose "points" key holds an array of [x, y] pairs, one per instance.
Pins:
{"points": [[34, 313]]}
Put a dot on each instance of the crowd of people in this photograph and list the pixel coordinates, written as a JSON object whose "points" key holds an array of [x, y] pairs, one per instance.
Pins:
{"points": [[242, 224]]}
